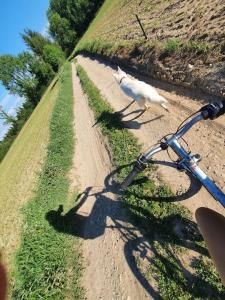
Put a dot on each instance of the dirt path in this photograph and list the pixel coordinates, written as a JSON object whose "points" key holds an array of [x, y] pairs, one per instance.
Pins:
{"points": [[206, 138], [108, 236]]}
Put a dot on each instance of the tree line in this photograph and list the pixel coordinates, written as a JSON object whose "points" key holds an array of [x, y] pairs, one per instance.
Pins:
{"points": [[30, 72], [69, 20]]}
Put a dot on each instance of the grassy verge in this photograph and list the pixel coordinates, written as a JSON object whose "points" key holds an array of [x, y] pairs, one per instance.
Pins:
{"points": [[161, 49], [18, 171], [168, 227], [47, 262]]}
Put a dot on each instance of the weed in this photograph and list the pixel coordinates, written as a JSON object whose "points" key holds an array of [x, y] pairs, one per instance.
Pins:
{"points": [[196, 46], [172, 45], [205, 271]]}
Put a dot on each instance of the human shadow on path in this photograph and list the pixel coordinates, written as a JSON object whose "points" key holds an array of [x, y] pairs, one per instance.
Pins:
{"points": [[162, 230]]}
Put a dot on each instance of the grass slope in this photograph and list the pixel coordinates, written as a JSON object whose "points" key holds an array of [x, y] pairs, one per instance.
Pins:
{"points": [[47, 261], [18, 171], [106, 8], [175, 276]]}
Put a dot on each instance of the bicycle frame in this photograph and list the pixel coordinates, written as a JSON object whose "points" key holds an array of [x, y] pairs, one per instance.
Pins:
{"points": [[187, 161]]}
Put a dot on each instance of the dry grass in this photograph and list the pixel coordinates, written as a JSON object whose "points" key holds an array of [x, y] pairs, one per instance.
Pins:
{"points": [[19, 170]]}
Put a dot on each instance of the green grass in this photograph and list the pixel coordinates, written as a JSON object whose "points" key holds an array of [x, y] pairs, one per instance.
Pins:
{"points": [[167, 48], [152, 210], [19, 169], [107, 7], [172, 45], [196, 46], [118, 137], [47, 263], [177, 45]]}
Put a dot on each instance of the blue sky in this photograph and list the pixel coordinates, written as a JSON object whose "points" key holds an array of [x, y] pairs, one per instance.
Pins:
{"points": [[15, 16]]}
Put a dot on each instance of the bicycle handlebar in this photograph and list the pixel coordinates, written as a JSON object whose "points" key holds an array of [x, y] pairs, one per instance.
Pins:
{"points": [[210, 111], [213, 110], [184, 129]]}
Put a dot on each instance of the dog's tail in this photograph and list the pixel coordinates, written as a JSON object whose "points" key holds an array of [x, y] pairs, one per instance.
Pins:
{"points": [[165, 107]]}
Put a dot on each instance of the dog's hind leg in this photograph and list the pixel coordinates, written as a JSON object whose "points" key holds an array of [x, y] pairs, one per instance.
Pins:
{"points": [[142, 103]]}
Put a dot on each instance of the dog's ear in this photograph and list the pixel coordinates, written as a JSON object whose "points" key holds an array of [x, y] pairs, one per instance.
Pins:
{"points": [[119, 70]]}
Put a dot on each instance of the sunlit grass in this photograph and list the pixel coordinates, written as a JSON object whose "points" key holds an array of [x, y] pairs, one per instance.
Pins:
{"points": [[47, 263], [19, 171]]}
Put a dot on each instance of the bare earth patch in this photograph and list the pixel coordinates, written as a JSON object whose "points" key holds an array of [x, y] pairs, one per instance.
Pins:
{"points": [[111, 244]]}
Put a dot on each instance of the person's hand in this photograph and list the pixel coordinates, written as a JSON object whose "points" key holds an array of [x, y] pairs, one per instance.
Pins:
{"points": [[212, 227]]}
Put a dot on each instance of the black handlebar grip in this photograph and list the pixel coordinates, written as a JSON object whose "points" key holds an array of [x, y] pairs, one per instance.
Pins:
{"points": [[139, 166], [127, 181], [222, 110], [213, 110]]}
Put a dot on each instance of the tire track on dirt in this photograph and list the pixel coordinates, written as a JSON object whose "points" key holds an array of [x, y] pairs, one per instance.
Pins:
{"points": [[206, 138], [108, 235]]}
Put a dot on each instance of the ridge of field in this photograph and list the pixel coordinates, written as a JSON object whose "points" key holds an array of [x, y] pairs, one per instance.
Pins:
{"points": [[184, 45], [19, 171], [196, 19]]}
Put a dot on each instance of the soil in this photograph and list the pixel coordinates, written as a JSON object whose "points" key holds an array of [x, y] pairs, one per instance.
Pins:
{"points": [[197, 25], [205, 138], [111, 243], [161, 20]]}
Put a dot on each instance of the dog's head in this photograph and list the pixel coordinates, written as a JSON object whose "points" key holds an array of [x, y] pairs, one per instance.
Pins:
{"points": [[119, 75]]}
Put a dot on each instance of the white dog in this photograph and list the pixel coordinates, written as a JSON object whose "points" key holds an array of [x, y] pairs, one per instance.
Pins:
{"points": [[140, 91]]}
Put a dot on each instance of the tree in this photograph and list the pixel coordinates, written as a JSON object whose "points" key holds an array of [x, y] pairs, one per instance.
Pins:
{"points": [[8, 119], [25, 75], [35, 41], [16, 75], [61, 30], [69, 20], [48, 51], [54, 56], [43, 73]]}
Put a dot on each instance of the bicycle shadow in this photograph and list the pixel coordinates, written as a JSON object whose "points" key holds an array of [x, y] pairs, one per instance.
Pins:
{"points": [[194, 186], [164, 231]]}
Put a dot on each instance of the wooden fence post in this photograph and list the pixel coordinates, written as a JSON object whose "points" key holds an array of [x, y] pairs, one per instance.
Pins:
{"points": [[139, 22]]}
